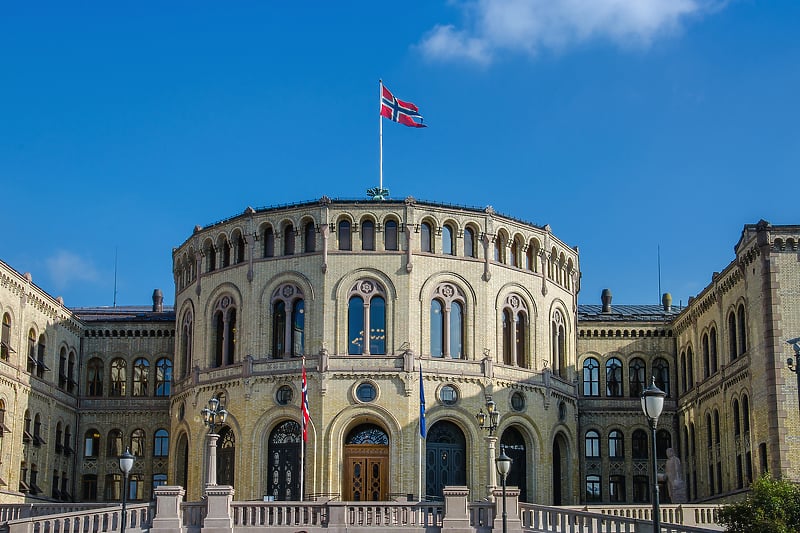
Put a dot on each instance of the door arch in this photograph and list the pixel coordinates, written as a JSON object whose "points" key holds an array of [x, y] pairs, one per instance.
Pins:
{"points": [[366, 464], [182, 461], [445, 458], [562, 474], [226, 455], [514, 445], [283, 461]]}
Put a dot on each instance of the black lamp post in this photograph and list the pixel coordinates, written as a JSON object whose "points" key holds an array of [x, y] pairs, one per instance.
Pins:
{"points": [[503, 466], [652, 405], [125, 464], [794, 365], [214, 416], [489, 419]]}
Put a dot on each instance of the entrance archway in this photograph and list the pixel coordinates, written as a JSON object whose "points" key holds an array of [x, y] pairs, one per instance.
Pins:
{"points": [[366, 464], [445, 458], [561, 471], [514, 445], [226, 455], [283, 461], [182, 461]]}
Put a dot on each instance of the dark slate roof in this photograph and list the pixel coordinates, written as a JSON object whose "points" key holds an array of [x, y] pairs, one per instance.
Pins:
{"points": [[626, 313], [130, 313]]}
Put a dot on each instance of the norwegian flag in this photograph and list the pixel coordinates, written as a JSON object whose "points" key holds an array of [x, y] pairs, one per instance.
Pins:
{"points": [[399, 111], [306, 417]]}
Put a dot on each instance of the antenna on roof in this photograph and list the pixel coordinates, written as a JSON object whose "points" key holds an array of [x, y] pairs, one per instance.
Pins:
{"points": [[659, 273], [115, 276]]}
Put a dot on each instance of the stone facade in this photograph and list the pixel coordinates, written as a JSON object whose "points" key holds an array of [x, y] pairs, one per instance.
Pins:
{"points": [[375, 300]]}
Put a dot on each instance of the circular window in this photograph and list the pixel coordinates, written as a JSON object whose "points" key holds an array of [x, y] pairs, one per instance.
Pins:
{"points": [[366, 392], [448, 395], [518, 401], [284, 395]]}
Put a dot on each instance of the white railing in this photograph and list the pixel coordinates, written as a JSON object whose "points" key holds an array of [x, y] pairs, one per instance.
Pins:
{"points": [[98, 520]]}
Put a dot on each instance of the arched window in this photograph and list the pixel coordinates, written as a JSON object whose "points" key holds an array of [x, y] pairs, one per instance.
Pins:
{"points": [[447, 322], [161, 443], [345, 236], [469, 243], [137, 442], [94, 377], [709, 432], [689, 368], [114, 447], [288, 321], [59, 437], [62, 368], [119, 377], [31, 367], [5, 338], [732, 344], [68, 441], [661, 373], [309, 237], [269, 242], [500, 248], [141, 374], [515, 331], [390, 241], [559, 344], [745, 415], [742, 329], [367, 319], [706, 356], [240, 248], [737, 427], [663, 443], [367, 235], [288, 239], [591, 377], [71, 383], [40, 353], [448, 243], [516, 253], [533, 255], [187, 335], [712, 349], [613, 377], [639, 445], [38, 440], [683, 372], [425, 238], [163, 377], [91, 443], [616, 445], [224, 332], [225, 246], [592, 444]]}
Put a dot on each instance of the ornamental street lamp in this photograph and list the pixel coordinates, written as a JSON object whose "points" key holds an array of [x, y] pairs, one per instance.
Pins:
{"points": [[214, 416], [652, 405], [503, 464], [794, 365], [489, 420], [125, 464]]}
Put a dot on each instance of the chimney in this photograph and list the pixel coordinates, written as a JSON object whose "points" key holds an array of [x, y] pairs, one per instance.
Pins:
{"points": [[158, 301], [606, 298], [666, 301]]}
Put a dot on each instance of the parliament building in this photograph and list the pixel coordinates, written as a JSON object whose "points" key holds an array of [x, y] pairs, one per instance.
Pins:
{"points": [[382, 303]]}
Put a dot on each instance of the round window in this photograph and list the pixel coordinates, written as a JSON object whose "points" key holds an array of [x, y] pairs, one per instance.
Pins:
{"points": [[366, 392], [448, 395], [518, 401], [284, 395]]}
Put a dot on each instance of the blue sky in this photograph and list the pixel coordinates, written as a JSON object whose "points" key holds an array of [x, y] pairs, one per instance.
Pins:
{"points": [[626, 126]]}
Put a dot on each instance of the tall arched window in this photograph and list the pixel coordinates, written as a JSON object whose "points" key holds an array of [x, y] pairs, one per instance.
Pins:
{"points": [[500, 248], [119, 377], [447, 322], [31, 366], [706, 356], [613, 377], [163, 377], [5, 338], [515, 331], [639, 445], [366, 318], [616, 445], [448, 243], [742, 329], [737, 427], [469, 243], [425, 238], [114, 444], [240, 248], [137, 442], [592, 444], [390, 241], [94, 377], [690, 368], [636, 381], [591, 377], [141, 376], [661, 373], [558, 344], [187, 334], [288, 239], [368, 235], [269, 242], [288, 321], [683, 371], [712, 349], [224, 332], [91, 443], [345, 235], [161, 443], [516, 253], [309, 237], [62, 368], [732, 344], [40, 353]]}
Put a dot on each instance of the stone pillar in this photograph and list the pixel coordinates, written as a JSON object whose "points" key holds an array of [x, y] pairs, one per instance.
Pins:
{"points": [[337, 516], [491, 441], [456, 510], [211, 475], [168, 517], [218, 511], [512, 510]]}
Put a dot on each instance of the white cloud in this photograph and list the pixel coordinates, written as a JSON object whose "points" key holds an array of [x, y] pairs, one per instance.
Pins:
{"points": [[528, 26], [66, 268]]}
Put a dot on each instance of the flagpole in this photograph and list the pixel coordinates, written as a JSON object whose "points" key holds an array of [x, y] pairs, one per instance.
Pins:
{"points": [[303, 440], [380, 129]]}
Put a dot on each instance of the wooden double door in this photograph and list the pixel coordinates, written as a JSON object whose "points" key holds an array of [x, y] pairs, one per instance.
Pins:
{"points": [[366, 472]]}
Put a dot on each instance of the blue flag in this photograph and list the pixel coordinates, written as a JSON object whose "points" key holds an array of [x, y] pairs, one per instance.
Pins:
{"points": [[422, 429]]}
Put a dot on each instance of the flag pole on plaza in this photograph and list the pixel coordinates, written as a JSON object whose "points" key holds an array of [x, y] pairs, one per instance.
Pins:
{"points": [[423, 432], [306, 419]]}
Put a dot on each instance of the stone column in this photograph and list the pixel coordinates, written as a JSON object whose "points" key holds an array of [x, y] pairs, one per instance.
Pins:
{"points": [[168, 517], [491, 441], [211, 474]]}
